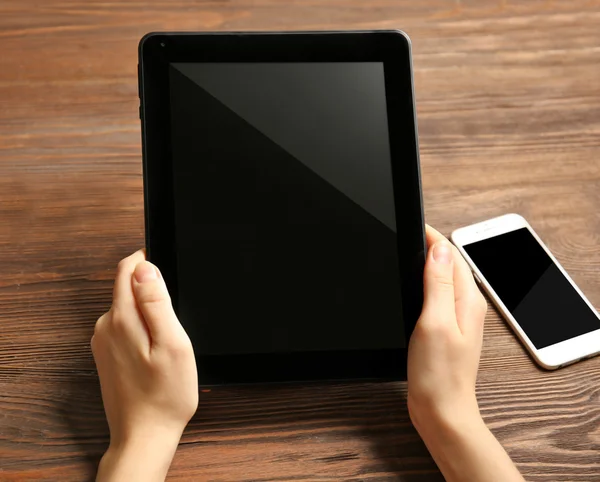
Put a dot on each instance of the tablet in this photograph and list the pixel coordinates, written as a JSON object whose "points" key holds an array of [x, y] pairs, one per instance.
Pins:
{"points": [[283, 200]]}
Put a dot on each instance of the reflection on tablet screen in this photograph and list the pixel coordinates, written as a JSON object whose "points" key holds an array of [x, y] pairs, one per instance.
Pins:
{"points": [[284, 206]]}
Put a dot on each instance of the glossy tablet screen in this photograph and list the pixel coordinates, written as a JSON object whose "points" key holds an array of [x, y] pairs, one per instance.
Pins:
{"points": [[285, 225]]}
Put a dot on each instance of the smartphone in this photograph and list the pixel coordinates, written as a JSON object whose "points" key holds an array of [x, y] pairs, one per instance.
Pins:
{"points": [[536, 296]]}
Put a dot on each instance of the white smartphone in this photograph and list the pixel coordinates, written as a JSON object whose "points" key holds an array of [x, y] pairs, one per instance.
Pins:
{"points": [[536, 296]]}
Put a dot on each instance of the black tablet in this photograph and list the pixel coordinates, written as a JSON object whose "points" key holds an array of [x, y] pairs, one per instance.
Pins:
{"points": [[283, 200]]}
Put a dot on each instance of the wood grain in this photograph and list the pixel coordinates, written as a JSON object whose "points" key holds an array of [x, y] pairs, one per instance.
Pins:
{"points": [[508, 100]]}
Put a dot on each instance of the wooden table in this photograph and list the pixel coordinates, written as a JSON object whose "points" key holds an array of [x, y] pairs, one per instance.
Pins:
{"points": [[508, 100]]}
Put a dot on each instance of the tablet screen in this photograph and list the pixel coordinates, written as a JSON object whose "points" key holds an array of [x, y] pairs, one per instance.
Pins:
{"points": [[285, 227]]}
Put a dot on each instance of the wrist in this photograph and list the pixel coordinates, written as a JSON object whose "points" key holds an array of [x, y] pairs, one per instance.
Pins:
{"points": [[465, 449], [440, 421], [151, 436], [447, 433], [146, 456], [456, 427]]}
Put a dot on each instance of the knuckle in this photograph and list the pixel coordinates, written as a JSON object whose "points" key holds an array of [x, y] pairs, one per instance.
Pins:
{"points": [[118, 320], [123, 264], [483, 303], [152, 294], [96, 344], [443, 282], [116, 312], [100, 322], [98, 325], [180, 347], [477, 300], [429, 329], [128, 263]]}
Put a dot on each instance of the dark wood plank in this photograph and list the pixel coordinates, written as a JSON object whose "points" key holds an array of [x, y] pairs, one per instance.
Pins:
{"points": [[509, 116]]}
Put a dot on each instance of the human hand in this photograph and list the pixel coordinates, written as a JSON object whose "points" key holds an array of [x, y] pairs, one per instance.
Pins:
{"points": [[147, 373], [444, 349], [443, 358]]}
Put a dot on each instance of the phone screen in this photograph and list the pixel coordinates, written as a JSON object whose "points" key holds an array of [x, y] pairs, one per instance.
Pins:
{"points": [[533, 289]]}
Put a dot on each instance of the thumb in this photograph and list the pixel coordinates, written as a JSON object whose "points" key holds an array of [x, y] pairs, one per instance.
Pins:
{"points": [[439, 283], [154, 302]]}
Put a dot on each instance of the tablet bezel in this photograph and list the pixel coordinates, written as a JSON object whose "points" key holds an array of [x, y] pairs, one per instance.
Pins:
{"points": [[157, 51]]}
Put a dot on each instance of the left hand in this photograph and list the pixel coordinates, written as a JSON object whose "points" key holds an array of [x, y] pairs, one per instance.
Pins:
{"points": [[147, 374]]}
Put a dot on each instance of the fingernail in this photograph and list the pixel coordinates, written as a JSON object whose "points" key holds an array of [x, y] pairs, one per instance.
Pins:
{"points": [[145, 272], [442, 252]]}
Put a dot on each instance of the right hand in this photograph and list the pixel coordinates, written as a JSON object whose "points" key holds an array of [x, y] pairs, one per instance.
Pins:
{"points": [[444, 349]]}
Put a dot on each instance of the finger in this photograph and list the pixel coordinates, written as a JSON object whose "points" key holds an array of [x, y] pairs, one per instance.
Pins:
{"points": [[122, 293], [470, 306], [432, 236], [126, 323], [470, 303], [438, 305], [154, 303]]}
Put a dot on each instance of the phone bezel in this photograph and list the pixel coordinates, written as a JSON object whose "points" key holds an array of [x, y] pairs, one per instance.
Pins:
{"points": [[553, 356]]}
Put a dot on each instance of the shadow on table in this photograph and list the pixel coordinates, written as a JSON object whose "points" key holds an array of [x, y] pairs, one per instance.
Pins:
{"points": [[328, 423], [82, 413]]}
